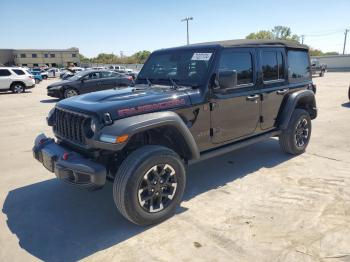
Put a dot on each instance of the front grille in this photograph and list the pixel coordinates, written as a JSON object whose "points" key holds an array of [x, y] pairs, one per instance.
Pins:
{"points": [[69, 126]]}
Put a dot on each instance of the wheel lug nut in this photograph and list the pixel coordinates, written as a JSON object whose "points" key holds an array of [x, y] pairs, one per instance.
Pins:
{"points": [[152, 190], [161, 181]]}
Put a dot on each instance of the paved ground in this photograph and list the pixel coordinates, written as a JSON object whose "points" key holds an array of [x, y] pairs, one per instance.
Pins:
{"points": [[255, 204]]}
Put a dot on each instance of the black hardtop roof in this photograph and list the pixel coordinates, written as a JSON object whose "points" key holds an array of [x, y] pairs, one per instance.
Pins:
{"points": [[244, 43]]}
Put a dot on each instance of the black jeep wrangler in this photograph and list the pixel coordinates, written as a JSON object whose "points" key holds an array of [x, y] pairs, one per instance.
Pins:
{"points": [[189, 103]]}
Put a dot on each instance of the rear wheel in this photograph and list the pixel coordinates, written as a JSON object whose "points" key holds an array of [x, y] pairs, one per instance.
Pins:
{"points": [[296, 137], [322, 73], [37, 81], [70, 92], [149, 185], [18, 88]]}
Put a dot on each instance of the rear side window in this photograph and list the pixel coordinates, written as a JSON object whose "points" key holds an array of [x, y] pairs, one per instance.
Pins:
{"points": [[18, 72], [299, 68], [5, 72], [272, 65], [241, 62]]}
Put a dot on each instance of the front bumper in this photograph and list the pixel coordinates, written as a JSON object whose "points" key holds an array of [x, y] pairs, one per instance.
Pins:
{"points": [[68, 165], [54, 93]]}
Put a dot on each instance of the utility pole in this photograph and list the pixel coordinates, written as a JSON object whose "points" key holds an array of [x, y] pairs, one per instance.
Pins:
{"points": [[346, 35], [187, 19], [302, 39]]}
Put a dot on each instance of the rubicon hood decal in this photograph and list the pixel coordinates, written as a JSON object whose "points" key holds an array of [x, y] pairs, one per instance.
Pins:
{"points": [[151, 107]]}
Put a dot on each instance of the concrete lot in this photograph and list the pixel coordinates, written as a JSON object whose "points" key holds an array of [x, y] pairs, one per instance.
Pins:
{"points": [[254, 204]]}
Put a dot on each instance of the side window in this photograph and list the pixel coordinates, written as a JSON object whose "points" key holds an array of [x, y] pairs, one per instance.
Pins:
{"points": [[5, 72], [240, 62], [92, 76], [105, 74], [18, 72], [299, 68], [272, 65]]}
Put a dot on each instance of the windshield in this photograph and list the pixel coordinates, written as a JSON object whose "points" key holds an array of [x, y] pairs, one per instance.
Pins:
{"points": [[77, 76], [185, 67]]}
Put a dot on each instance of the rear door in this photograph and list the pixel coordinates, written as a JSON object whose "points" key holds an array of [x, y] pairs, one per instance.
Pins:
{"points": [[273, 84], [5, 79], [235, 112], [109, 80]]}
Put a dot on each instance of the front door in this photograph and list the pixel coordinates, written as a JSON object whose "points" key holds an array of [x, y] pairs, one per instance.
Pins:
{"points": [[235, 112], [273, 85], [90, 83]]}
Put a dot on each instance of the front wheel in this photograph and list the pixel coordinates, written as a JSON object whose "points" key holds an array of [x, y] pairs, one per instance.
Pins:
{"points": [[149, 185], [70, 92], [296, 137]]}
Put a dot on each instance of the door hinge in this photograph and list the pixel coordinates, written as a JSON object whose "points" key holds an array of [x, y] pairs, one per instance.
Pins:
{"points": [[211, 132], [261, 119]]}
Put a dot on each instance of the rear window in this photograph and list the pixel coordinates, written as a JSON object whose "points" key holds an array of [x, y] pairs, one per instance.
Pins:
{"points": [[240, 62], [18, 72], [299, 66], [5, 72]]}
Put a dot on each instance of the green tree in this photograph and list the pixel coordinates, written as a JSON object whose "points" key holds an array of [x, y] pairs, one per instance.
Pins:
{"points": [[262, 34], [315, 52], [278, 32]]}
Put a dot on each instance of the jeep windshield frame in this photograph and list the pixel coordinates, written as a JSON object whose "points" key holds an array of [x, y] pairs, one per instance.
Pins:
{"points": [[185, 67]]}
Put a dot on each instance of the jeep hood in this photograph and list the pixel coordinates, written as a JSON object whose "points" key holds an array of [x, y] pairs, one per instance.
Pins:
{"points": [[130, 101]]}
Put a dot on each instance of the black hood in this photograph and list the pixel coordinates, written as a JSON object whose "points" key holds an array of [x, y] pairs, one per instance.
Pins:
{"points": [[125, 102], [59, 83]]}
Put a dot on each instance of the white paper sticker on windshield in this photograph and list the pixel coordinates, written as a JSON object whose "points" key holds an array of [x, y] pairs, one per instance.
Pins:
{"points": [[201, 56]]}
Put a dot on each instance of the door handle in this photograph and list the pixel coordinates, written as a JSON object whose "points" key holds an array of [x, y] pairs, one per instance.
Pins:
{"points": [[253, 97], [282, 91]]}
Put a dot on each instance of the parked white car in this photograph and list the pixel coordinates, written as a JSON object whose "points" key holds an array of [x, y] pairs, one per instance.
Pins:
{"points": [[53, 72], [15, 79], [120, 69]]}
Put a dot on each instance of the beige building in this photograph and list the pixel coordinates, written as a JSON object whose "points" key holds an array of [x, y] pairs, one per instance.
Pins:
{"points": [[40, 57]]}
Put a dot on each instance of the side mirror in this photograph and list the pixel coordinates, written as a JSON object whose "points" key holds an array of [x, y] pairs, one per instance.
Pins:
{"points": [[227, 79]]}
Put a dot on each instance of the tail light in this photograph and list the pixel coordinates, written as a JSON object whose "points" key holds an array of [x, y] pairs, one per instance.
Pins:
{"points": [[129, 77]]}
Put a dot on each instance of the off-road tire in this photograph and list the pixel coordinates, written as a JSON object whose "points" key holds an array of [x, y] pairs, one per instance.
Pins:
{"points": [[287, 139], [68, 91], [130, 176], [18, 88]]}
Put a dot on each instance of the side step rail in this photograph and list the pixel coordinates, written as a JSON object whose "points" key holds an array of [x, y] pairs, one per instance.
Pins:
{"points": [[233, 146]]}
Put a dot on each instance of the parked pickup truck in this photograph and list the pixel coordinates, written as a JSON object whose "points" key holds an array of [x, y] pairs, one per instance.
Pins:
{"points": [[317, 68], [189, 103]]}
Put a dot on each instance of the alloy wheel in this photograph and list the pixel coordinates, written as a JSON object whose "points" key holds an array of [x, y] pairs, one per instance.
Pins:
{"points": [[302, 133], [157, 188]]}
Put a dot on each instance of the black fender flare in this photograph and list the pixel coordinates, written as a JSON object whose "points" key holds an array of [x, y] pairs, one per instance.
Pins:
{"points": [[136, 124], [304, 97]]}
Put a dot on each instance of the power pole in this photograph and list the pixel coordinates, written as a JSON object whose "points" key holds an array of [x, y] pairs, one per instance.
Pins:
{"points": [[187, 19], [346, 35], [302, 39]]}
